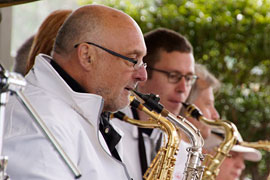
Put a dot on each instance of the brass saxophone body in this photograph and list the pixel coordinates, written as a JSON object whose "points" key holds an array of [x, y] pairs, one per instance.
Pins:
{"points": [[212, 163], [162, 166], [193, 168]]}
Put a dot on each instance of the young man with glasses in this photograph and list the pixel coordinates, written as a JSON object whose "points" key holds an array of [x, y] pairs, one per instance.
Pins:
{"points": [[96, 61], [170, 68]]}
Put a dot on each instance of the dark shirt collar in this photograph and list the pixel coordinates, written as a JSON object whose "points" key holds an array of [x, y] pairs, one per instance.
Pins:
{"points": [[74, 85], [110, 135]]}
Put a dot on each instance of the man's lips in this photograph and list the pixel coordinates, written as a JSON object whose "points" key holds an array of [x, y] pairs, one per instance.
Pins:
{"points": [[130, 87], [175, 101], [236, 174]]}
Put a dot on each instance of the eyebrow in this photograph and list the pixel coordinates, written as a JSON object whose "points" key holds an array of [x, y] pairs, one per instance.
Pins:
{"points": [[189, 73], [137, 52]]}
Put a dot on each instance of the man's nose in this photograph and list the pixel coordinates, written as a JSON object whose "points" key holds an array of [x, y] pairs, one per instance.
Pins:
{"points": [[181, 85], [240, 163], [215, 114], [141, 74]]}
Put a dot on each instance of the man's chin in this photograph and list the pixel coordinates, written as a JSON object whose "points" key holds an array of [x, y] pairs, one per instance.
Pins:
{"points": [[173, 107], [125, 103], [173, 110], [122, 104]]}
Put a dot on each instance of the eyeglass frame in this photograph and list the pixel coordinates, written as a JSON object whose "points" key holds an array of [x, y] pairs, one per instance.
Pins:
{"points": [[135, 62], [180, 76]]}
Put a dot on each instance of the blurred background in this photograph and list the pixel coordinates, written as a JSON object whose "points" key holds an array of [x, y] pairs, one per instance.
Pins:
{"points": [[21, 21], [230, 37]]}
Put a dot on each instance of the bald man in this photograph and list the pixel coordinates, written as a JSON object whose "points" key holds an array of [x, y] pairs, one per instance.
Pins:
{"points": [[96, 60]]}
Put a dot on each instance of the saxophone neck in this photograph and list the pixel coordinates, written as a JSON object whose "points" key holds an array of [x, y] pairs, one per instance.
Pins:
{"points": [[189, 129], [150, 123], [261, 145], [229, 128]]}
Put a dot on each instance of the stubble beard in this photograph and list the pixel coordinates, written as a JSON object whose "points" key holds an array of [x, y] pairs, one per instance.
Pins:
{"points": [[111, 103]]}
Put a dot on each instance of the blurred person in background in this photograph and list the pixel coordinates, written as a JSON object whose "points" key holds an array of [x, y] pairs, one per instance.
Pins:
{"points": [[233, 165], [202, 95], [45, 36], [41, 42], [22, 55]]}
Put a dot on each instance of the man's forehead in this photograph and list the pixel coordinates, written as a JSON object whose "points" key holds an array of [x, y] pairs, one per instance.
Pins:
{"points": [[178, 60], [138, 52]]}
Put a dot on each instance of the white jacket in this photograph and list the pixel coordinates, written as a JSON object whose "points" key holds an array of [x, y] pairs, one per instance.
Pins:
{"points": [[73, 119]]}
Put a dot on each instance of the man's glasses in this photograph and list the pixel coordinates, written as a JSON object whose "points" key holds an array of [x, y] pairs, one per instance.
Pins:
{"points": [[137, 65], [175, 77]]}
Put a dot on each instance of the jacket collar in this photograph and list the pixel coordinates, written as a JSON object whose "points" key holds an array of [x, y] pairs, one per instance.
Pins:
{"points": [[73, 84], [44, 76]]}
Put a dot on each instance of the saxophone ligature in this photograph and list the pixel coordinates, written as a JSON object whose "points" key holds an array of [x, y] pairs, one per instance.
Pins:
{"points": [[162, 166], [193, 168], [212, 163]]}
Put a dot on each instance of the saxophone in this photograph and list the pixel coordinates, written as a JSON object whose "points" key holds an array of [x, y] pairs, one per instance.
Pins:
{"points": [[212, 163], [162, 166], [261, 144], [193, 168]]}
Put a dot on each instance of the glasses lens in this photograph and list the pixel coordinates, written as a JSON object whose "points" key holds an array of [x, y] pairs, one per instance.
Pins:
{"points": [[190, 79], [140, 64], [175, 77]]}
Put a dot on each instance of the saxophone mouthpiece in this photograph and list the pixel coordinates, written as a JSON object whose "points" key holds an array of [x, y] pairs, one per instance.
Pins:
{"points": [[140, 95], [192, 110], [185, 104], [151, 101]]}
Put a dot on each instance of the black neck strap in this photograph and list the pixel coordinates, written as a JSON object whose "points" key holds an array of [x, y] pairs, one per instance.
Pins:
{"points": [[141, 145]]}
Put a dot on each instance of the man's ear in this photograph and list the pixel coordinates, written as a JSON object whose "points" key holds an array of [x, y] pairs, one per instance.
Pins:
{"points": [[85, 57]]}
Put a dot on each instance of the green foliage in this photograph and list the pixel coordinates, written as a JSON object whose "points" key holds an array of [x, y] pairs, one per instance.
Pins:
{"points": [[232, 38]]}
